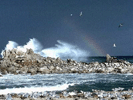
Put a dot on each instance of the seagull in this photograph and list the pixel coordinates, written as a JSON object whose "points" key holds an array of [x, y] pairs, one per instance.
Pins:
{"points": [[120, 25], [81, 13], [114, 45], [71, 14]]}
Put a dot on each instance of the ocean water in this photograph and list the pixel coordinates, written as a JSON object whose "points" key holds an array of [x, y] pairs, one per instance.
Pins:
{"points": [[103, 58], [60, 82]]}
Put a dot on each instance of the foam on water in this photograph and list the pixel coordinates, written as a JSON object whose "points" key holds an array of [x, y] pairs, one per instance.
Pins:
{"points": [[35, 89], [58, 82], [61, 49]]}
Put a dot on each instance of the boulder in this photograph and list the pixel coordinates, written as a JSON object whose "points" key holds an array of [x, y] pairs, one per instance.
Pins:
{"points": [[44, 70], [108, 58], [11, 70], [32, 70]]}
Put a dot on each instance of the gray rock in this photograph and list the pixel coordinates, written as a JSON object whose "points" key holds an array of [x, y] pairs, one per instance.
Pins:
{"points": [[108, 58], [44, 70], [32, 70]]}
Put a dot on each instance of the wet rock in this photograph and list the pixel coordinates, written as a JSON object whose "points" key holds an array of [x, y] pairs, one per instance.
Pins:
{"points": [[117, 70], [2, 97], [99, 71], [94, 95], [0, 75]]}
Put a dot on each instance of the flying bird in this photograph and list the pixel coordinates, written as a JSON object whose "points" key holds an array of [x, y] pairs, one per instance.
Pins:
{"points": [[114, 45], [81, 13], [120, 25]]}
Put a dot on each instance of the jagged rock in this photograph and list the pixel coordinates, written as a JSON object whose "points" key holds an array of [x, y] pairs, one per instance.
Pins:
{"points": [[108, 58], [11, 70], [18, 62], [32, 70], [23, 70], [44, 70], [74, 70], [51, 68], [0, 75]]}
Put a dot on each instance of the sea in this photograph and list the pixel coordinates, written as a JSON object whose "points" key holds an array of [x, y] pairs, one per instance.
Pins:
{"points": [[26, 83]]}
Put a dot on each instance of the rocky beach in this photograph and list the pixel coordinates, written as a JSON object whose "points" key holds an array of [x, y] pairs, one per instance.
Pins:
{"points": [[18, 62], [115, 94]]}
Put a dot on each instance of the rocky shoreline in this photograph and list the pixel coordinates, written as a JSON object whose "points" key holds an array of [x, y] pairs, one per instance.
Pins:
{"points": [[17, 62], [115, 94]]}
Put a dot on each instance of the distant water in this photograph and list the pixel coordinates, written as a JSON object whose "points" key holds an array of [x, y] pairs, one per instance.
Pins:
{"points": [[59, 82], [103, 59]]}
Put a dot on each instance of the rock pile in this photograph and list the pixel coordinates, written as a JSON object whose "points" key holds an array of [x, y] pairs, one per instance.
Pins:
{"points": [[116, 94], [18, 62]]}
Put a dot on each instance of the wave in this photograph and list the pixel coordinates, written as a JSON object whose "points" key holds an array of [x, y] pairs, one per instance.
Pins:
{"points": [[35, 89], [62, 49]]}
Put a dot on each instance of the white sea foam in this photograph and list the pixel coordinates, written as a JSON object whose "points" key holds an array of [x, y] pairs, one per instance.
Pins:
{"points": [[35, 89], [58, 82], [61, 49]]}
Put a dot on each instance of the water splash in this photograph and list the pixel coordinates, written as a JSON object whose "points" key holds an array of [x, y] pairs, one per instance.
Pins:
{"points": [[61, 49]]}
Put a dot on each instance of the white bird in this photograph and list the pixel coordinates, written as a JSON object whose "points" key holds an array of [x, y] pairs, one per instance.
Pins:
{"points": [[71, 14], [81, 13], [120, 25], [114, 45]]}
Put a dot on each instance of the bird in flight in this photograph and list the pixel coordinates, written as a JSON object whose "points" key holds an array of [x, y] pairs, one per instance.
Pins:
{"points": [[114, 45], [120, 25], [81, 13]]}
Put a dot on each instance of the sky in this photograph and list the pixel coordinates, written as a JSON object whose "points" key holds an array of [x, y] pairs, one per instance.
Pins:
{"points": [[50, 20]]}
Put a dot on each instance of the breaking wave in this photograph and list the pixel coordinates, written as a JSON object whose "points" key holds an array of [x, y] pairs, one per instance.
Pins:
{"points": [[62, 49], [35, 89]]}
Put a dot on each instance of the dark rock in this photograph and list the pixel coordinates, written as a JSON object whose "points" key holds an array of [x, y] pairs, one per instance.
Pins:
{"points": [[2, 97], [99, 71], [117, 70], [94, 95]]}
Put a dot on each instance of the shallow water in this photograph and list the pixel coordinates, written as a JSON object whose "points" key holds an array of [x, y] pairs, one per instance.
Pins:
{"points": [[59, 82]]}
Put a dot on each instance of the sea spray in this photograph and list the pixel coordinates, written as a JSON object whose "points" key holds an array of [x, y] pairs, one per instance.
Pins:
{"points": [[61, 49], [65, 50]]}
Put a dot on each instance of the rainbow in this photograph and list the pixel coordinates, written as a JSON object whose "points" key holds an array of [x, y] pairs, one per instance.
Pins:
{"points": [[93, 45], [89, 41]]}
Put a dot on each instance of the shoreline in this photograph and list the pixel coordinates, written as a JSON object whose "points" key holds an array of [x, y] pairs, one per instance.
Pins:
{"points": [[115, 94], [18, 62]]}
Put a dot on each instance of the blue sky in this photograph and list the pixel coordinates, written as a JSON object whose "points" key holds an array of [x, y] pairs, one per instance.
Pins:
{"points": [[50, 20]]}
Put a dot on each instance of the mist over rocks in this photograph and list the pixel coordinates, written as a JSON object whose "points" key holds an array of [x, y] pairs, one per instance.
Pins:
{"points": [[18, 62]]}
